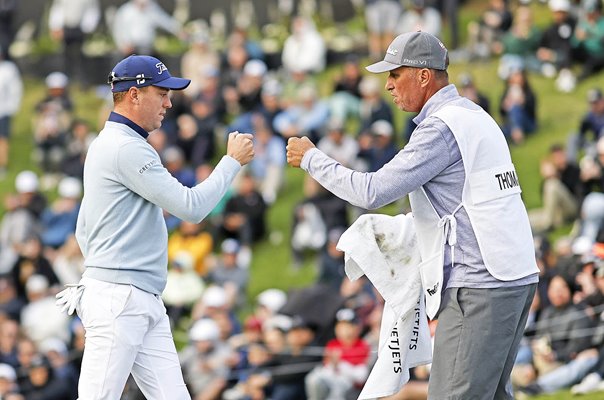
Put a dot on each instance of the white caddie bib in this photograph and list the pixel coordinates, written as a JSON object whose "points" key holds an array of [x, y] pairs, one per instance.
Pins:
{"points": [[491, 198]]}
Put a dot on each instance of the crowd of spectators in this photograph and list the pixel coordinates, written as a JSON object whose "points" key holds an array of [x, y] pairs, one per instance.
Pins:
{"points": [[317, 342]]}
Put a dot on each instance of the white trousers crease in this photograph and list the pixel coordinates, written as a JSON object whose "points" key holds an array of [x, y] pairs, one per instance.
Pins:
{"points": [[127, 331]]}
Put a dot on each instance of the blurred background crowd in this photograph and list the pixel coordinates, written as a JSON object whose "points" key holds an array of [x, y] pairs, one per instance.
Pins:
{"points": [[279, 69]]}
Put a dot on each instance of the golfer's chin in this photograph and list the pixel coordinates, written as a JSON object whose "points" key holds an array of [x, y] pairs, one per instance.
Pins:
{"points": [[157, 125], [153, 128]]}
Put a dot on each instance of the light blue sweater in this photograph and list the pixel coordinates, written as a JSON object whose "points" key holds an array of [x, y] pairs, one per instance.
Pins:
{"points": [[121, 229]]}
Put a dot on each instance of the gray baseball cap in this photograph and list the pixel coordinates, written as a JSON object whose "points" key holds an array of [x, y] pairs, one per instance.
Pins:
{"points": [[413, 49]]}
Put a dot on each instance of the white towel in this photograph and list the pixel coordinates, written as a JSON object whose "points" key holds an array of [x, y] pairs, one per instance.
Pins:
{"points": [[384, 248]]}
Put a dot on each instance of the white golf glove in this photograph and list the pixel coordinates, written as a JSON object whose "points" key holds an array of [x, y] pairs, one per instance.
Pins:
{"points": [[69, 298]]}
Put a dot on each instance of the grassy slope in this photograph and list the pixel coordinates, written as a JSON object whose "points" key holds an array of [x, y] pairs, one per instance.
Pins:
{"points": [[559, 114]]}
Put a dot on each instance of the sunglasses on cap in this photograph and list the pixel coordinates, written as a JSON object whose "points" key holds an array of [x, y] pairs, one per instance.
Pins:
{"points": [[111, 79]]}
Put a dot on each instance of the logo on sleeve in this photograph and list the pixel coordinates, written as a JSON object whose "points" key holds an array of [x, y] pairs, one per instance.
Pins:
{"points": [[147, 166]]}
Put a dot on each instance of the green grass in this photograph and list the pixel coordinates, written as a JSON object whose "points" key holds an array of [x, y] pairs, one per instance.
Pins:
{"points": [[559, 114]]}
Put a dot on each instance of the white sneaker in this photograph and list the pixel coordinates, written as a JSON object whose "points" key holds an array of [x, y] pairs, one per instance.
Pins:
{"points": [[590, 383]]}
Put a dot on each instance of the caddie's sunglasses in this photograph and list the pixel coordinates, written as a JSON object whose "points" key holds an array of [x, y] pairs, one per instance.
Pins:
{"points": [[111, 79]]}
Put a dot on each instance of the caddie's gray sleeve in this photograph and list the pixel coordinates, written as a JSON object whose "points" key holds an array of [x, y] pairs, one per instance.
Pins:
{"points": [[423, 158]]}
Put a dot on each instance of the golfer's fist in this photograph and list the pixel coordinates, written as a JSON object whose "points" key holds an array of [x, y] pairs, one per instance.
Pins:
{"points": [[240, 147], [296, 147]]}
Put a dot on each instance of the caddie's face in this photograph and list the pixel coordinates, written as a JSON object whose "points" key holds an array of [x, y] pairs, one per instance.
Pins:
{"points": [[153, 104], [404, 87]]}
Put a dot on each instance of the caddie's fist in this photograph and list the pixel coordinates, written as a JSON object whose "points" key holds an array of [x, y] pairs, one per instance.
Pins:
{"points": [[296, 148], [241, 147]]}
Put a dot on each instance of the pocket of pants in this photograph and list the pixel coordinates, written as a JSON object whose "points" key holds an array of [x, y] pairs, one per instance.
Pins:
{"points": [[79, 309], [120, 296], [460, 301]]}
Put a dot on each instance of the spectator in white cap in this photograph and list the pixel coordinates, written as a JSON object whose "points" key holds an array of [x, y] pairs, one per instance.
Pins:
{"points": [[51, 122], [482, 298], [377, 147], [270, 302], [229, 274], [183, 287], [26, 182], [41, 319], [205, 361], [59, 219], [56, 81], [244, 96], [338, 144], [8, 381], [373, 106], [21, 219], [213, 300], [555, 47]]}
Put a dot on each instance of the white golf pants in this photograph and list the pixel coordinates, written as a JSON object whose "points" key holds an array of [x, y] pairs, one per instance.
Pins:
{"points": [[127, 331]]}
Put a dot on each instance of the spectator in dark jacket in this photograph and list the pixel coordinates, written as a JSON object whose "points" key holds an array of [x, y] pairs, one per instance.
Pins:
{"points": [[518, 107]]}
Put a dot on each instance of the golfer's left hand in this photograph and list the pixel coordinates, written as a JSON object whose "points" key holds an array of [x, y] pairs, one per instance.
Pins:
{"points": [[296, 148]]}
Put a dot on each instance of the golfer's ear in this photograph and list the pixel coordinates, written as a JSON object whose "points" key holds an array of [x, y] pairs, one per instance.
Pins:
{"points": [[133, 95]]}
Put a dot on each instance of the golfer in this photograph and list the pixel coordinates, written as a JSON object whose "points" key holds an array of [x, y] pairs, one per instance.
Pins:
{"points": [[123, 237], [480, 279]]}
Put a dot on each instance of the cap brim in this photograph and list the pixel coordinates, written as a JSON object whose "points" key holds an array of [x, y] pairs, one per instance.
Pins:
{"points": [[381, 66], [174, 83]]}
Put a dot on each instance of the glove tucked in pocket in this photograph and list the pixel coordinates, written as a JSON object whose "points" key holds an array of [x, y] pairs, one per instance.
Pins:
{"points": [[69, 298]]}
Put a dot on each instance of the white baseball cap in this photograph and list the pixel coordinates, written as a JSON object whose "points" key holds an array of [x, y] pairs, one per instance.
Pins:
{"points": [[382, 127], [559, 5], [214, 296], [7, 372], [230, 246], [57, 80], [70, 187], [26, 182], [204, 329], [255, 68], [53, 344], [36, 284], [273, 299]]}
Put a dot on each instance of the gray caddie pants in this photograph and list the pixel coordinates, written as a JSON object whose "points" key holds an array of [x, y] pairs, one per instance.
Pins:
{"points": [[476, 342]]}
